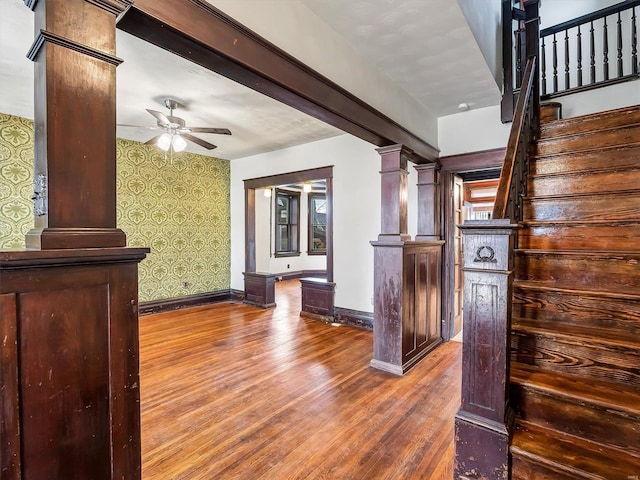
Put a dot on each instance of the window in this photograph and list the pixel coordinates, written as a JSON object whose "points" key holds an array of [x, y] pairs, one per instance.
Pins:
{"points": [[286, 223], [317, 224]]}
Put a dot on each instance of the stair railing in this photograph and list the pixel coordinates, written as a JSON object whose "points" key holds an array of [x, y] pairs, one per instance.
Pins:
{"points": [[513, 178], [485, 420], [609, 37]]}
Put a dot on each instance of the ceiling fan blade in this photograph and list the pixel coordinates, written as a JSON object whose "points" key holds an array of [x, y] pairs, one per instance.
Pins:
{"points": [[139, 126], [219, 131], [199, 141], [152, 141], [161, 117]]}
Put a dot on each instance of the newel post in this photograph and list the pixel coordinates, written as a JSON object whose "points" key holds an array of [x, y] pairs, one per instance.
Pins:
{"points": [[485, 420]]}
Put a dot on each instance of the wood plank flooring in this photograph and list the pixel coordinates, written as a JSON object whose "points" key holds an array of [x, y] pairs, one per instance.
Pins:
{"points": [[235, 392]]}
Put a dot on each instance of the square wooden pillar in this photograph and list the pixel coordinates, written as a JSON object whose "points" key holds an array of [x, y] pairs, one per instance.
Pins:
{"points": [[75, 124], [428, 202]]}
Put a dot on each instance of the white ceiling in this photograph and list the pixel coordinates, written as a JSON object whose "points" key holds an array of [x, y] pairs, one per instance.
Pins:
{"points": [[424, 46], [411, 41]]}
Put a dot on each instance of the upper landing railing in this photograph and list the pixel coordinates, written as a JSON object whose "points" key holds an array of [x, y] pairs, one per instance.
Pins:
{"points": [[591, 51]]}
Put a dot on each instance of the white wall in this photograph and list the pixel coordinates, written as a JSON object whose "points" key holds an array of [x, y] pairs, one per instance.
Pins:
{"points": [[356, 197], [472, 131], [485, 20], [297, 30], [600, 99], [553, 12]]}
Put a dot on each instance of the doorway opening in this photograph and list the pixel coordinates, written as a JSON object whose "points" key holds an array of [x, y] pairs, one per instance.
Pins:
{"points": [[469, 185]]}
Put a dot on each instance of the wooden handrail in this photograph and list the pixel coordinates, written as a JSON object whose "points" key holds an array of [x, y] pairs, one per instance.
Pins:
{"points": [[515, 153], [590, 17]]}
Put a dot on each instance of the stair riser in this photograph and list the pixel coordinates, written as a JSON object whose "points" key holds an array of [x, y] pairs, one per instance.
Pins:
{"points": [[586, 421], [620, 238], [593, 123], [604, 208], [610, 181], [609, 314], [589, 141], [526, 469], [614, 274], [613, 363], [611, 158]]}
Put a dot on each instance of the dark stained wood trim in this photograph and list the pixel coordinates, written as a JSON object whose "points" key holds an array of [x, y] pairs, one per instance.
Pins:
{"points": [[45, 36], [329, 197], [353, 318], [203, 34], [52, 258], [168, 304], [480, 160], [249, 229], [290, 177], [116, 7], [237, 295]]}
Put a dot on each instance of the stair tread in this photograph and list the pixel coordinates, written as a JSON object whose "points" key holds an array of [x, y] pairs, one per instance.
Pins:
{"points": [[579, 253], [551, 198], [630, 129], [569, 454], [632, 221], [617, 112], [634, 191], [621, 397], [584, 333], [590, 171], [550, 286]]}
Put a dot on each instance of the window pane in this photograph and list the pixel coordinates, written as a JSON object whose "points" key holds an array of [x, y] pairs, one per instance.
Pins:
{"points": [[282, 238], [319, 211], [319, 237], [283, 209]]}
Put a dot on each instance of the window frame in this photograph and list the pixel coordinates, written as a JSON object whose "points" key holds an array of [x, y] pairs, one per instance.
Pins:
{"points": [[311, 250], [293, 228]]}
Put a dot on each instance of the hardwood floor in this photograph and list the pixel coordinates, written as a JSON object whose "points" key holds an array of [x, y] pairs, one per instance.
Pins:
{"points": [[236, 392]]}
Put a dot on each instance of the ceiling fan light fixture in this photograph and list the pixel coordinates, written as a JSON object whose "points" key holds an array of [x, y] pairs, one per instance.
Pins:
{"points": [[164, 142], [178, 143]]}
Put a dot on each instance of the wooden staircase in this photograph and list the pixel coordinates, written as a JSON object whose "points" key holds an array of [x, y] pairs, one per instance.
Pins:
{"points": [[575, 365]]}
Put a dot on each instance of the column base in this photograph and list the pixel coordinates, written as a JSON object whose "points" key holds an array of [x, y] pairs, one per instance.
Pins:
{"points": [[65, 238], [259, 289], [482, 447]]}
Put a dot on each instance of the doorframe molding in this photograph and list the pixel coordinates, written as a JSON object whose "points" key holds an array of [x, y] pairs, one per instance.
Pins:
{"points": [[452, 165], [250, 187]]}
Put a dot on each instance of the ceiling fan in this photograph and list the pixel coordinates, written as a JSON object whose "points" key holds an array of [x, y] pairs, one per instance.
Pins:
{"points": [[175, 132]]}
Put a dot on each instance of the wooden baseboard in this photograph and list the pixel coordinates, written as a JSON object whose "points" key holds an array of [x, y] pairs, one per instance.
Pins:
{"points": [[237, 295], [167, 304], [301, 274], [354, 318]]}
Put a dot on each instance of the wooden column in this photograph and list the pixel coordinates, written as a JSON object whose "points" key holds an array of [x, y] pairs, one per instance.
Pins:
{"points": [[69, 304], [406, 310], [485, 420], [394, 193], [75, 124], [428, 202]]}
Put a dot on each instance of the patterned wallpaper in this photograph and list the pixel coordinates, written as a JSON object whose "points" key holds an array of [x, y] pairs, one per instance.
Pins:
{"points": [[16, 181], [180, 210]]}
